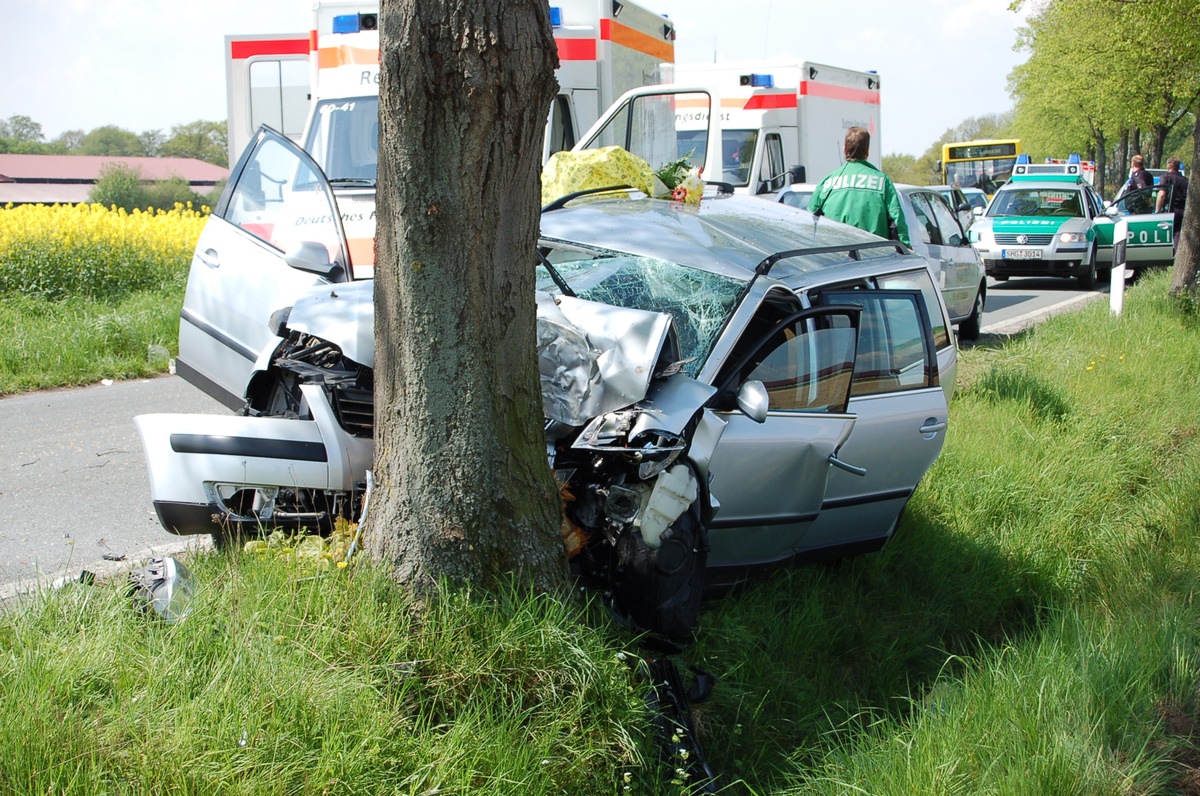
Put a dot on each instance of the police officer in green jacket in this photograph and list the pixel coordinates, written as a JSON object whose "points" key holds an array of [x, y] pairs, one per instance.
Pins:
{"points": [[860, 194]]}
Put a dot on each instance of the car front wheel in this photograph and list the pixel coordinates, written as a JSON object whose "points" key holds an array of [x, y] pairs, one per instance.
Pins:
{"points": [[1087, 278], [660, 589]]}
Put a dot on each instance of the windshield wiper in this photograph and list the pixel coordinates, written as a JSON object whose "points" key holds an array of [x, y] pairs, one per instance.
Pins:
{"points": [[351, 182], [555, 275]]}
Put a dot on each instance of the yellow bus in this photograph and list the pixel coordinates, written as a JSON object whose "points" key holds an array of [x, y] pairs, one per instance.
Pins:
{"points": [[979, 164]]}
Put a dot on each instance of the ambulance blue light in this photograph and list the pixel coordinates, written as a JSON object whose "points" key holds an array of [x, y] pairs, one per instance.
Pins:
{"points": [[555, 17], [346, 23], [1074, 159], [1022, 158], [757, 81]]}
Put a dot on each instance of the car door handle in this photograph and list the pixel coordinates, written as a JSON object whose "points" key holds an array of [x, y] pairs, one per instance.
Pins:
{"points": [[850, 468], [209, 257], [933, 426]]}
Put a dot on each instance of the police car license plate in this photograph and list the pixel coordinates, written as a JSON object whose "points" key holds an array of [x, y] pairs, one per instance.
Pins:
{"points": [[1021, 254]]}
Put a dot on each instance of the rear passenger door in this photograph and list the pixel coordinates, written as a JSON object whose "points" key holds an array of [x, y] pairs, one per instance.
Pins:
{"points": [[900, 414]]}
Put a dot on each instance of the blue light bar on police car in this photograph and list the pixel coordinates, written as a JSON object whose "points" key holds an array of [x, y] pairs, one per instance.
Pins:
{"points": [[555, 17]]}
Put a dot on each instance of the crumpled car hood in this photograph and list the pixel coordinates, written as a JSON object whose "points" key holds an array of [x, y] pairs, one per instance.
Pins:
{"points": [[593, 358]]}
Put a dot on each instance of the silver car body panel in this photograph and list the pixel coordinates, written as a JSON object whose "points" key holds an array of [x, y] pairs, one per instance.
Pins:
{"points": [[595, 358]]}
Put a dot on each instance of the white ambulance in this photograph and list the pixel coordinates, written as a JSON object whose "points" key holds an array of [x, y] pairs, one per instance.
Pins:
{"points": [[322, 88], [773, 125]]}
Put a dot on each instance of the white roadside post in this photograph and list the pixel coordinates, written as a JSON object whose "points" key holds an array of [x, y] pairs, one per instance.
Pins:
{"points": [[1116, 291]]}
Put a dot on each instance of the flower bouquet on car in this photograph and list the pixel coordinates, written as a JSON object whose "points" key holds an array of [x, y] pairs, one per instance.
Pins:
{"points": [[568, 172]]}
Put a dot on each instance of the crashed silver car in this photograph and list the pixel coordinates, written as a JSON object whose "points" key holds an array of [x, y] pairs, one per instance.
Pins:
{"points": [[726, 387]]}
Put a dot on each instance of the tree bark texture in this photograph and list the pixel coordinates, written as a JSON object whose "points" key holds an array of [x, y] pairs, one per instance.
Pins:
{"points": [[462, 486], [1187, 253]]}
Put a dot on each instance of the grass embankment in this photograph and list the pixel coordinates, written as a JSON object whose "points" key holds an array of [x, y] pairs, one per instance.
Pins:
{"points": [[88, 293], [1031, 630]]}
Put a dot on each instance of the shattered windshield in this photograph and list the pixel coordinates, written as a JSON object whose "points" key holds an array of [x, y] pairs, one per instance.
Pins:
{"points": [[698, 301]]}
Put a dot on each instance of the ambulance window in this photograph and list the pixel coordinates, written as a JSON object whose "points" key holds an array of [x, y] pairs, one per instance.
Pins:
{"points": [[659, 128], [279, 95], [772, 174], [737, 154], [560, 135]]}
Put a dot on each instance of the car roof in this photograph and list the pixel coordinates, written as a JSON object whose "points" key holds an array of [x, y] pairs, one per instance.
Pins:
{"points": [[727, 234]]}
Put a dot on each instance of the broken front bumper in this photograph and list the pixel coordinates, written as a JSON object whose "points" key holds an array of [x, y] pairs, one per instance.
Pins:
{"points": [[219, 474]]}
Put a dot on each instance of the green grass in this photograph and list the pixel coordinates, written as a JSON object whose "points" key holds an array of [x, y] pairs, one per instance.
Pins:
{"points": [[75, 341], [1032, 629]]}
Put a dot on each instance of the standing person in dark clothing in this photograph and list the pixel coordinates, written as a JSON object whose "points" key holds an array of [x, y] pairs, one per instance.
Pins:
{"points": [[1138, 176], [1172, 183], [860, 194]]}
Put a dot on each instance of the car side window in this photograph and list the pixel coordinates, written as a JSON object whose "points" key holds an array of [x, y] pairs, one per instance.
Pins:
{"points": [[947, 222], [807, 369], [894, 354], [1139, 202], [281, 200], [927, 229], [921, 280]]}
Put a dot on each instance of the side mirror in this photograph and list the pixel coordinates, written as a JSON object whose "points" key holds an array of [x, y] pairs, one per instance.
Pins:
{"points": [[962, 206], [752, 400], [1111, 210], [977, 211], [312, 257], [797, 173]]}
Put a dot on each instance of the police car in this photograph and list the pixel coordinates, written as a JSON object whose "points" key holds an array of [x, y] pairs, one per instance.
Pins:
{"points": [[1047, 220]]}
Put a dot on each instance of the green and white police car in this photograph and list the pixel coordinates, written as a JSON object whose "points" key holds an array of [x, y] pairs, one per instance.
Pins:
{"points": [[1047, 220]]}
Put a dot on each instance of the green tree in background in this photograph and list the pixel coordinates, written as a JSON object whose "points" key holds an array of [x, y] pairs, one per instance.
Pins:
{"points": [[21, 129], [207, 141], [151, 141], [923, 169], [1100, 75], [111, 140], [69, 142]]}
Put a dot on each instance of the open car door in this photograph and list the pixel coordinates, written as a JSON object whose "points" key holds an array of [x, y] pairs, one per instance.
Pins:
{"points": [[1151, 235], [275, 234]]}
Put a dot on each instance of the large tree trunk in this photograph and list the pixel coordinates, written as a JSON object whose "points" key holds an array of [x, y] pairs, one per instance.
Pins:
{"points": [[462, 489], [1187, 255]]}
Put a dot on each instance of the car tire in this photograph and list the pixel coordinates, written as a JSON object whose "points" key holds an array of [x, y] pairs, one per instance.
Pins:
{"points": [[660, 589], [1102, 274], [968, 328], [1087, 279], [1000, 278]]}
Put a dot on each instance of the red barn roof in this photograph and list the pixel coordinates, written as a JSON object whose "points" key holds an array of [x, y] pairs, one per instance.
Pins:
{"points": [[69, 178]]}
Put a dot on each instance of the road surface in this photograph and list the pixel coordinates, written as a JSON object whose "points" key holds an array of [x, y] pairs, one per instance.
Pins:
{"points": [[73, 487]]}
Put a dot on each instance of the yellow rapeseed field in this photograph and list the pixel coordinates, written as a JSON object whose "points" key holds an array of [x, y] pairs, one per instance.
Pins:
{"points": [[88, 250]]}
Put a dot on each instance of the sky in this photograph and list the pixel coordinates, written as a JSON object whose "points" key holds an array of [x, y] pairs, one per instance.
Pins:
{"points": [[153, 64]]}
